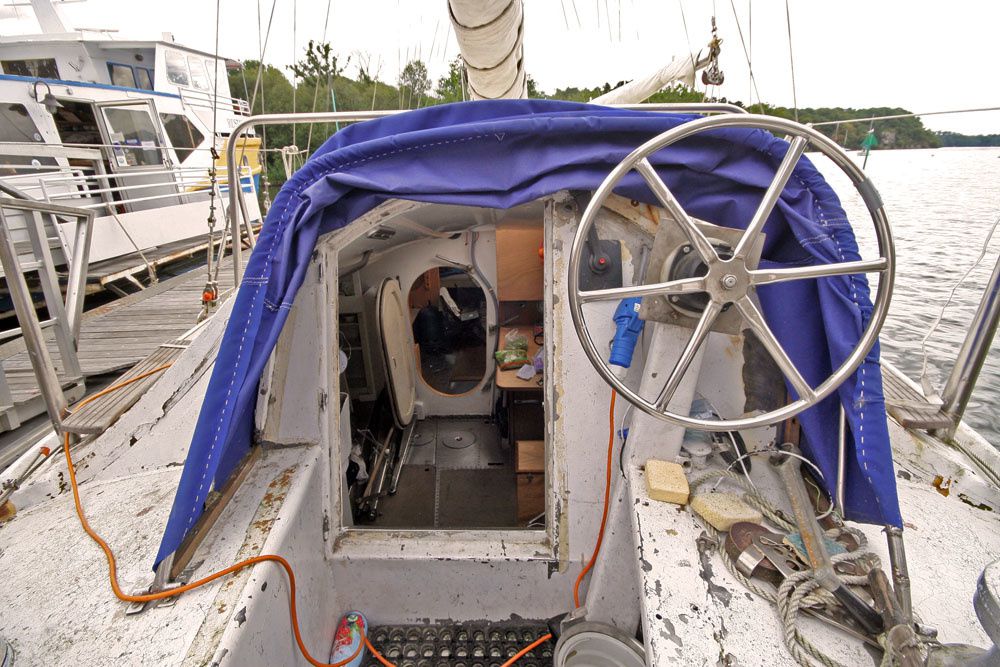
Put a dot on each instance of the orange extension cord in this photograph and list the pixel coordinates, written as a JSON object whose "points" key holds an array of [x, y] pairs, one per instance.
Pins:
{"points": [[149, 597], [293, 612], [607, 497]]}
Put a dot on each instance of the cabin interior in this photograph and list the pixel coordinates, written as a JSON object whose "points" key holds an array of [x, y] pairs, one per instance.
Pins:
{"points": [[442, 435], [452, 353]]}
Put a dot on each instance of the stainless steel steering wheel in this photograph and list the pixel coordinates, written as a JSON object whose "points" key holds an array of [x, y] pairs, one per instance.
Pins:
{"points": [[732, 280]]}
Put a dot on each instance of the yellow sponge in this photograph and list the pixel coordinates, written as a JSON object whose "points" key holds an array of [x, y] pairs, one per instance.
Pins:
{"points": [[7, 511], [722, 510], [666, 481]]}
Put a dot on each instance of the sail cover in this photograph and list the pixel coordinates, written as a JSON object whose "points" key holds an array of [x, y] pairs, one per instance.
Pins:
{"points": [[637, 90], [504, 153]]}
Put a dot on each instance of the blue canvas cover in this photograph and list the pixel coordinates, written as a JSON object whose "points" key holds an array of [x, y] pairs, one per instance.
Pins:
{"points": [[504, 153]]}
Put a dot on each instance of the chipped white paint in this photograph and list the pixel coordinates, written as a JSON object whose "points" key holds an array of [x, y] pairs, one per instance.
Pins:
{"points": [[695, 613], [61, 609]]}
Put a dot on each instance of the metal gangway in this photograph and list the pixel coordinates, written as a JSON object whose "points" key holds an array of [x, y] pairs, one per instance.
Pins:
{"points": [[55, 377]]}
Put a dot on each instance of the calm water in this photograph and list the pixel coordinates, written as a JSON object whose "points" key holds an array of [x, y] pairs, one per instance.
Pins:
{"points": [[941, 204]]}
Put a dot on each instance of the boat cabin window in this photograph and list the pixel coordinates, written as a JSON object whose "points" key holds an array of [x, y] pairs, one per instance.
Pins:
{"points": [[144, 78], [177, 71], [16, 126], [189, 70], [448, 310], [133, 135], [183, 135], [41, 68], [199, 75], [121, 75], [436, 434], [77, 123]]}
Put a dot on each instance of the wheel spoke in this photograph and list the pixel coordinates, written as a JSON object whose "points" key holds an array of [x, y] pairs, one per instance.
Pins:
{"points": [[755, 320], [683, 286], [770, 276], [694, 343], [701, 244], [795, 150]]}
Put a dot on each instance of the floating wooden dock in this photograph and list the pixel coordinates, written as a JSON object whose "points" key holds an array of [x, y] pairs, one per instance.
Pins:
{"points": [[148, 327]]}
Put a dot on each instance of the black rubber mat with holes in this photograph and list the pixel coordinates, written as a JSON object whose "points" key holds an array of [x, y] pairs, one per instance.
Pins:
{"points": [[461, 645]]}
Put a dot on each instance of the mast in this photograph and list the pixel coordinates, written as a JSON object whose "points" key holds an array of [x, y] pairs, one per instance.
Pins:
{"points": [[490, 35]]}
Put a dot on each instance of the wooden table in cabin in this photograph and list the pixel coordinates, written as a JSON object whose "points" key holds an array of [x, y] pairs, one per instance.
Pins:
{"points": [[529, 455], [508, 380], [514, 389]]}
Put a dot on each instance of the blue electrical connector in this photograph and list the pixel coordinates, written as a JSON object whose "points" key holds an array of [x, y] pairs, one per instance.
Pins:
{"points": [[629, 327]]}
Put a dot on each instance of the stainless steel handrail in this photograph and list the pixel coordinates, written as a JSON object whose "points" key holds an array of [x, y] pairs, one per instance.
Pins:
{"points": [[237, 203], [66, 314], [971, 356], [70, 145], [64, 174], [197, 178]]}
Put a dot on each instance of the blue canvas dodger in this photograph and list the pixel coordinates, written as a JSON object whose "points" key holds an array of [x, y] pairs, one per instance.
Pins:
{"points": [[504, 153]]}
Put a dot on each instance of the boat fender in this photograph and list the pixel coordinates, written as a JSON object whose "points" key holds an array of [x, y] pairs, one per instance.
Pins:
{"points": [[629, 325], [350, 634]]}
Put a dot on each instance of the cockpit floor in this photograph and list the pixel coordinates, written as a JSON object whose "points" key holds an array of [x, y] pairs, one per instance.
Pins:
{"points": [[457, 475]]}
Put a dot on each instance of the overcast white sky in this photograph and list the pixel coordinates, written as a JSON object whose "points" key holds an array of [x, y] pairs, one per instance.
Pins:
{"points": [[915, 54]]}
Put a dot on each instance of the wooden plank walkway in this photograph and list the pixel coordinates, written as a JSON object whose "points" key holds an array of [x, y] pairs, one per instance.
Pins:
{"points": [[119, 335], [908, 406], [98, 415]]}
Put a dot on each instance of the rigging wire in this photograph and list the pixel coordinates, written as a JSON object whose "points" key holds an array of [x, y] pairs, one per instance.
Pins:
{"points": [[295, 76], [746, 54], [326, 25], [687, 36], [791, 60], [262, 46], [750, 41], [902, 115], [924, 381], [210, 293]]}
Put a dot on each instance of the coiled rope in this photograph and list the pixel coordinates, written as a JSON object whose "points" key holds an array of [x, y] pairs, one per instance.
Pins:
{"points": [[799, 590]]}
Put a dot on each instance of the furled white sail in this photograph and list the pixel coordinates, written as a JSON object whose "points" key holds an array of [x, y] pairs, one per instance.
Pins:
{"points": [[490, 35], [633, 92]]}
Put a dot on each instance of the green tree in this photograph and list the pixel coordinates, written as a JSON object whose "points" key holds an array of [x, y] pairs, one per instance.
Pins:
{"points": [[364, 75], [414, 83], [532, 87], [319, 63], [450, 86], [678, 92], [274, 95]]}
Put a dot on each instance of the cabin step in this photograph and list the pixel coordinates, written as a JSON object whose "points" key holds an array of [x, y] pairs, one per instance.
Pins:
{"points": [[480, 643]]}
